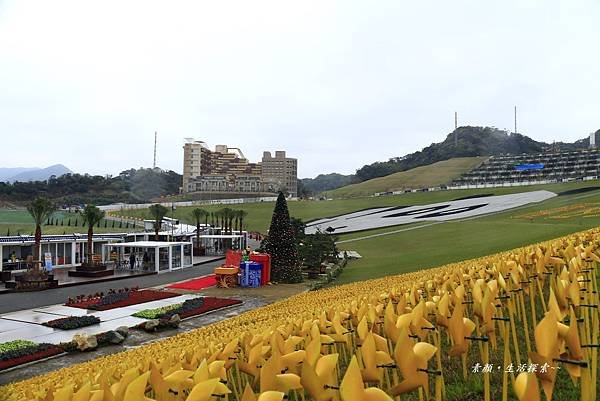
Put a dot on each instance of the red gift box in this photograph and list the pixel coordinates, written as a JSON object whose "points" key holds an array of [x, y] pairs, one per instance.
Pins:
{"points": [[233, 258], [265, 259]]}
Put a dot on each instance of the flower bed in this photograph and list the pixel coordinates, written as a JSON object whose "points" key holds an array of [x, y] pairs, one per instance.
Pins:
{"points": [[83, 301], [15, 357], [189, 308], [72, 322], [121, 299]]}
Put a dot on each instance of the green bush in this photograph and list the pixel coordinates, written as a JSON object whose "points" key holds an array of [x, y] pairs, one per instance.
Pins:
{"points": [[15, 345], [156, 312], [26, 351]]}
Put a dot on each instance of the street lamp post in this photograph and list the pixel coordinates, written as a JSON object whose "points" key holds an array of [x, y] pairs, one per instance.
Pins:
{"points": [[172, 221]]}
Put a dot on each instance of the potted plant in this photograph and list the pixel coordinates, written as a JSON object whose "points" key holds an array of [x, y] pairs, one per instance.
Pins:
{"points": [[40, 209], [92, 216]]}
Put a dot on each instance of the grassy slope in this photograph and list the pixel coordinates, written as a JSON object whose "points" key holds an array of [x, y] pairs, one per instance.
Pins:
{"points": [[460, 240], [435, 174]]}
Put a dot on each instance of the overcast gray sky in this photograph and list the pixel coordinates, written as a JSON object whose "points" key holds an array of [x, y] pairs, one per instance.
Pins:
{"points": [[337, 84]]}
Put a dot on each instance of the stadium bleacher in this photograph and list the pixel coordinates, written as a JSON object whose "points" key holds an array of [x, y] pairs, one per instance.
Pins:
{"points": [[508, 170]]}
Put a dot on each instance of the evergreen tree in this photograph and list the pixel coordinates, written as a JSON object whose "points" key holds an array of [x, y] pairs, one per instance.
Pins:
{"points": [[76, 222], [69, 222], [8, 232], [281, 245], [105, 223]]}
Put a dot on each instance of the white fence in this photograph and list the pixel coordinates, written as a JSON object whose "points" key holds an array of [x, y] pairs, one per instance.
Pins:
{"points": [[487, 185], [127, 206]]}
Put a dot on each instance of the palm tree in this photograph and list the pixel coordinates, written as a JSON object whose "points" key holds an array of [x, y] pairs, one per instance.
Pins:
{"points": [[92, 216], [41, 208], [241, 214], [198, 215], [228, 215], [158, 212], [219, 218]]}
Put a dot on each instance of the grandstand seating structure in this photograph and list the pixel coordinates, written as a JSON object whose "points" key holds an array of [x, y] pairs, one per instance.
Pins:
{"points": [[525, 169]]}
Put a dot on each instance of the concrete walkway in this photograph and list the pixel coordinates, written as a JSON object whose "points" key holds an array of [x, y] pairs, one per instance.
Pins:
{"points": [[28, 300], [135, 339]]}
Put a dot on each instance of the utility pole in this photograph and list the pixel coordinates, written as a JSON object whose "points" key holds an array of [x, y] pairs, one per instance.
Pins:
{"points": [[455, 128], [154, 164], [515, 119]]}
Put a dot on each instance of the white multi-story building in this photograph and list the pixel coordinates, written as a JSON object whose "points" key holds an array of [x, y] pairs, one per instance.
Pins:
{"points": [[226, 170]]}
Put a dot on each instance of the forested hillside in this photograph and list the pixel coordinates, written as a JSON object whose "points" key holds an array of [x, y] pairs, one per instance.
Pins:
{"points": [[129, 186]]}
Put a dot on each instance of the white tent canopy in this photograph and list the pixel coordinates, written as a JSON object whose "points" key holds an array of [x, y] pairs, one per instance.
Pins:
{"points": [[216, 244], [158, 256]]}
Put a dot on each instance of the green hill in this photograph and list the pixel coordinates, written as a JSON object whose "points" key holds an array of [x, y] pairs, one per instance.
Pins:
{"points": [[435, 174], [465, 141]]}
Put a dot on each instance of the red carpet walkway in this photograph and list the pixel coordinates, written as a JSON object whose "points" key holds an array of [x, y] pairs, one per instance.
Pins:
{"points": [[196, 284]]}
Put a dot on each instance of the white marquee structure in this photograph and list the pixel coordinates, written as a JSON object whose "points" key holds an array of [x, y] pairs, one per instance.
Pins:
{"points": [[65, 250], [151, 256]]}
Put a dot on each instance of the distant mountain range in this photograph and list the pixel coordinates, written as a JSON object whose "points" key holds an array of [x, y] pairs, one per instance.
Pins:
{"points": [[26, 174], [465, 141]]}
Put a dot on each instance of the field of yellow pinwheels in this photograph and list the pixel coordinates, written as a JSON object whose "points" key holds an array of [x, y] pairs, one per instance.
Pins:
{"points": [[522, 324]]}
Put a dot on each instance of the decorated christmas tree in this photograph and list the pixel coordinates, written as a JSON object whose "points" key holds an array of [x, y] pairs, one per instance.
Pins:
{"points": [[281, 245]]}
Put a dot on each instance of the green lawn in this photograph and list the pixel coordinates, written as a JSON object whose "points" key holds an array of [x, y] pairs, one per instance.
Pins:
{"points": [[15, 222], [459, 240], [259, 214]]}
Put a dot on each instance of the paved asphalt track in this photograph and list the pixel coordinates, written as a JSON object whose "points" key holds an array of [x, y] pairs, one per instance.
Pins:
{"points": [[27, 300]]}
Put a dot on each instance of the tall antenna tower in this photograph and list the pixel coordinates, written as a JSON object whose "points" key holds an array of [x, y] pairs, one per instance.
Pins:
{"points": [[154, 164], [515, 119], [455, 128]]}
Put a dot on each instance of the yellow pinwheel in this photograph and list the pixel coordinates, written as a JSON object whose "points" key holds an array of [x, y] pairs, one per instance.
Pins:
{"points": [[271, 396], [526, 387], [412, 360], [137, 388], [352, 387], [546, 341], [460, 328]]}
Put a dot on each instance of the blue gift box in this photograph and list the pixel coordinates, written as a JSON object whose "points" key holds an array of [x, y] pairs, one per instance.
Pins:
{"points": [[250, 273]]}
